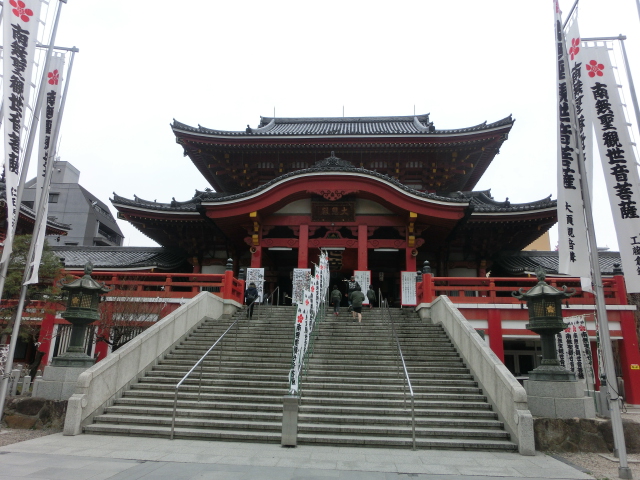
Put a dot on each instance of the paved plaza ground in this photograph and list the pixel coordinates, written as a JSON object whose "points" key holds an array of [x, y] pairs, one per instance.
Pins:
{"points": [[95, 457]]}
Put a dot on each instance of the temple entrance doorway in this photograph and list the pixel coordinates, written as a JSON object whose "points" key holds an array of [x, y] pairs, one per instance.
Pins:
{"points": [[385, 266]]}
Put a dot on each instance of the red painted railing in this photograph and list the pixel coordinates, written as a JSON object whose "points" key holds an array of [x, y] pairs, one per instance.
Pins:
{"points": [[497, 290], [171, 285]]}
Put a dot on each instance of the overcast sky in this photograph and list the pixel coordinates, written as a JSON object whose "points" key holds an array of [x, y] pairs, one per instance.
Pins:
{"points": [[224, 64]]}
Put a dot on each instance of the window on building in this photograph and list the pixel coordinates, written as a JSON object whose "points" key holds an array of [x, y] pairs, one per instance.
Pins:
{"points": [[28, 204], [54, 197]]}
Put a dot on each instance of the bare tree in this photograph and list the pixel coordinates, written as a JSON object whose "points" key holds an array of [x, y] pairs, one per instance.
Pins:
{"points": [[123, 316]]}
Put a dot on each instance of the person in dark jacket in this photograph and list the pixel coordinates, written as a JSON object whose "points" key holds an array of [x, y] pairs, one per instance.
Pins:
{"points": [[357, 297], [371, 295], [336, 298], [352, 286], [250, 297]]}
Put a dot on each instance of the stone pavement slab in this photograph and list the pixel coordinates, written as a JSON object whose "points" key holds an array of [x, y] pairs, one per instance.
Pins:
{"points": [[102, 457]]}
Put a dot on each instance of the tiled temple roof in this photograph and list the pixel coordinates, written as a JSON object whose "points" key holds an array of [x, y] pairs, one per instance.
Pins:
{"points": [[479, 201], [120, 258], [527, 262], [350, 126]]}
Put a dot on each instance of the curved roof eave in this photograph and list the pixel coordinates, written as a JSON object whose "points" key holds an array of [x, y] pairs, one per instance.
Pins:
{"points": [[263, 133]]}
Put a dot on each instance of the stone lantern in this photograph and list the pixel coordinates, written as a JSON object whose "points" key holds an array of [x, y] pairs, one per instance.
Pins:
{"points": [[552, 391], [82, 309], [545, 319]]}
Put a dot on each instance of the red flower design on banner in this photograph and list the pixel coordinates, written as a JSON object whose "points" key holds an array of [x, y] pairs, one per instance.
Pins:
{"points": [[594, 68], [54, 77], [20, 11], [306, 302], [558, 7], [313, 289], [300, 318], [575, 47]]}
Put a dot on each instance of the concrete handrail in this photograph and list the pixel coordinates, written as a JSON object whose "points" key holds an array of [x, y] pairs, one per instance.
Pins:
{"points": [[100, 385], [504, 392]]}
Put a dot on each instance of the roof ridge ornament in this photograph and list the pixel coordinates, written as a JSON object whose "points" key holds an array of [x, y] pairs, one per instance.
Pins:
{"points": [[333, 161]]}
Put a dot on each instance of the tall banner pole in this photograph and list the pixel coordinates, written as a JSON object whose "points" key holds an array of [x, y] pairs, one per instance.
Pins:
{"points": [[573, 248], [603, 326], [23, 291], [19, 188], [49, 128], [20, 35]]}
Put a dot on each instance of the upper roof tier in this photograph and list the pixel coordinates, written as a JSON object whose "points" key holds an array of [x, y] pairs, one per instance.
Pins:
{"points": [[408, 148]]}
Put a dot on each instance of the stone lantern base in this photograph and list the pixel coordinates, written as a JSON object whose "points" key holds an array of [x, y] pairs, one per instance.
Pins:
{"points": [[58, 383], [559, 399]]}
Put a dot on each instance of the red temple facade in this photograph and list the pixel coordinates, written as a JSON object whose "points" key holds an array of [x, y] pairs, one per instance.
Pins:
{"points": [[381, 194]]}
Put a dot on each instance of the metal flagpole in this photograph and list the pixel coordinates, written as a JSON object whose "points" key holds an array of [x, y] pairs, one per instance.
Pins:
{"points": [[31, 139], [575, 5], [39, 219], [607, 371]]}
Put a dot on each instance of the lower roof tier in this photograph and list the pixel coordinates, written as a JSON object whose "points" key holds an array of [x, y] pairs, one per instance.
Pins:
{"points": [[337, 200]]}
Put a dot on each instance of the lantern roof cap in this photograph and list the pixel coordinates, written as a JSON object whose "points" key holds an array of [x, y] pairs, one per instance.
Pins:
{"points": [[543, 289], [86, 282]]}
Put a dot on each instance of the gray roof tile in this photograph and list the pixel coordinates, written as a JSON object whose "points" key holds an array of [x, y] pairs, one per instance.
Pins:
{"points": [[106, 258]]}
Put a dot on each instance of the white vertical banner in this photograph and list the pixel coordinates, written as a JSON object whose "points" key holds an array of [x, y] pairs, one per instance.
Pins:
{"points": [[49, 117], [573, 251], [617, 158], [575, 52], [300, 284], [256, 275], [20, 21], [363, 277], [408, 288]]}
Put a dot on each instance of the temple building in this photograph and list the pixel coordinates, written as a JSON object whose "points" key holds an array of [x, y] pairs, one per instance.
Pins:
{"points": [[382, 194]]}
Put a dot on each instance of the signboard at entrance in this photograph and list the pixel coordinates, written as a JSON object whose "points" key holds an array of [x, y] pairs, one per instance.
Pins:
{"points": [[363, 277], [256, 275], [333, 212], [408, 289], [301, 277]]}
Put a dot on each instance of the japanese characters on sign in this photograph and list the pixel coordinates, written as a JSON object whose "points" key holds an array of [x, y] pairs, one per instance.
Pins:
{"points": [[20, 29], [572, 238], [408, 288], [333, 211], [256, 275], [617, 157], [574, 348], [48, 122]]}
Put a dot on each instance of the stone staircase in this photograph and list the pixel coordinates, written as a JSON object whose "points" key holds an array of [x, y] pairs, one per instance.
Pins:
{"points": [[240, 398], [352, 394]]}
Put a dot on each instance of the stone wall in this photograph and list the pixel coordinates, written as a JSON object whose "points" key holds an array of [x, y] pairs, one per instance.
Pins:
{"points": [[34, 413], [582, 435]]}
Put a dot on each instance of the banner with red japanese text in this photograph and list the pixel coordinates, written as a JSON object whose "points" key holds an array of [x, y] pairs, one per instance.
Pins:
{"points": [[573, 251], [583, 114], [49, 116], [617, 157], [20, 22]]}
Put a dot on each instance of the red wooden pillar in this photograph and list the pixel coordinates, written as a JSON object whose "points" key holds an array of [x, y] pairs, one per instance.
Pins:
{"points": [[410, 260], [362, 247], [495, 333], [629, 353], [256, 257], [303, 247], [427, 288]]}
